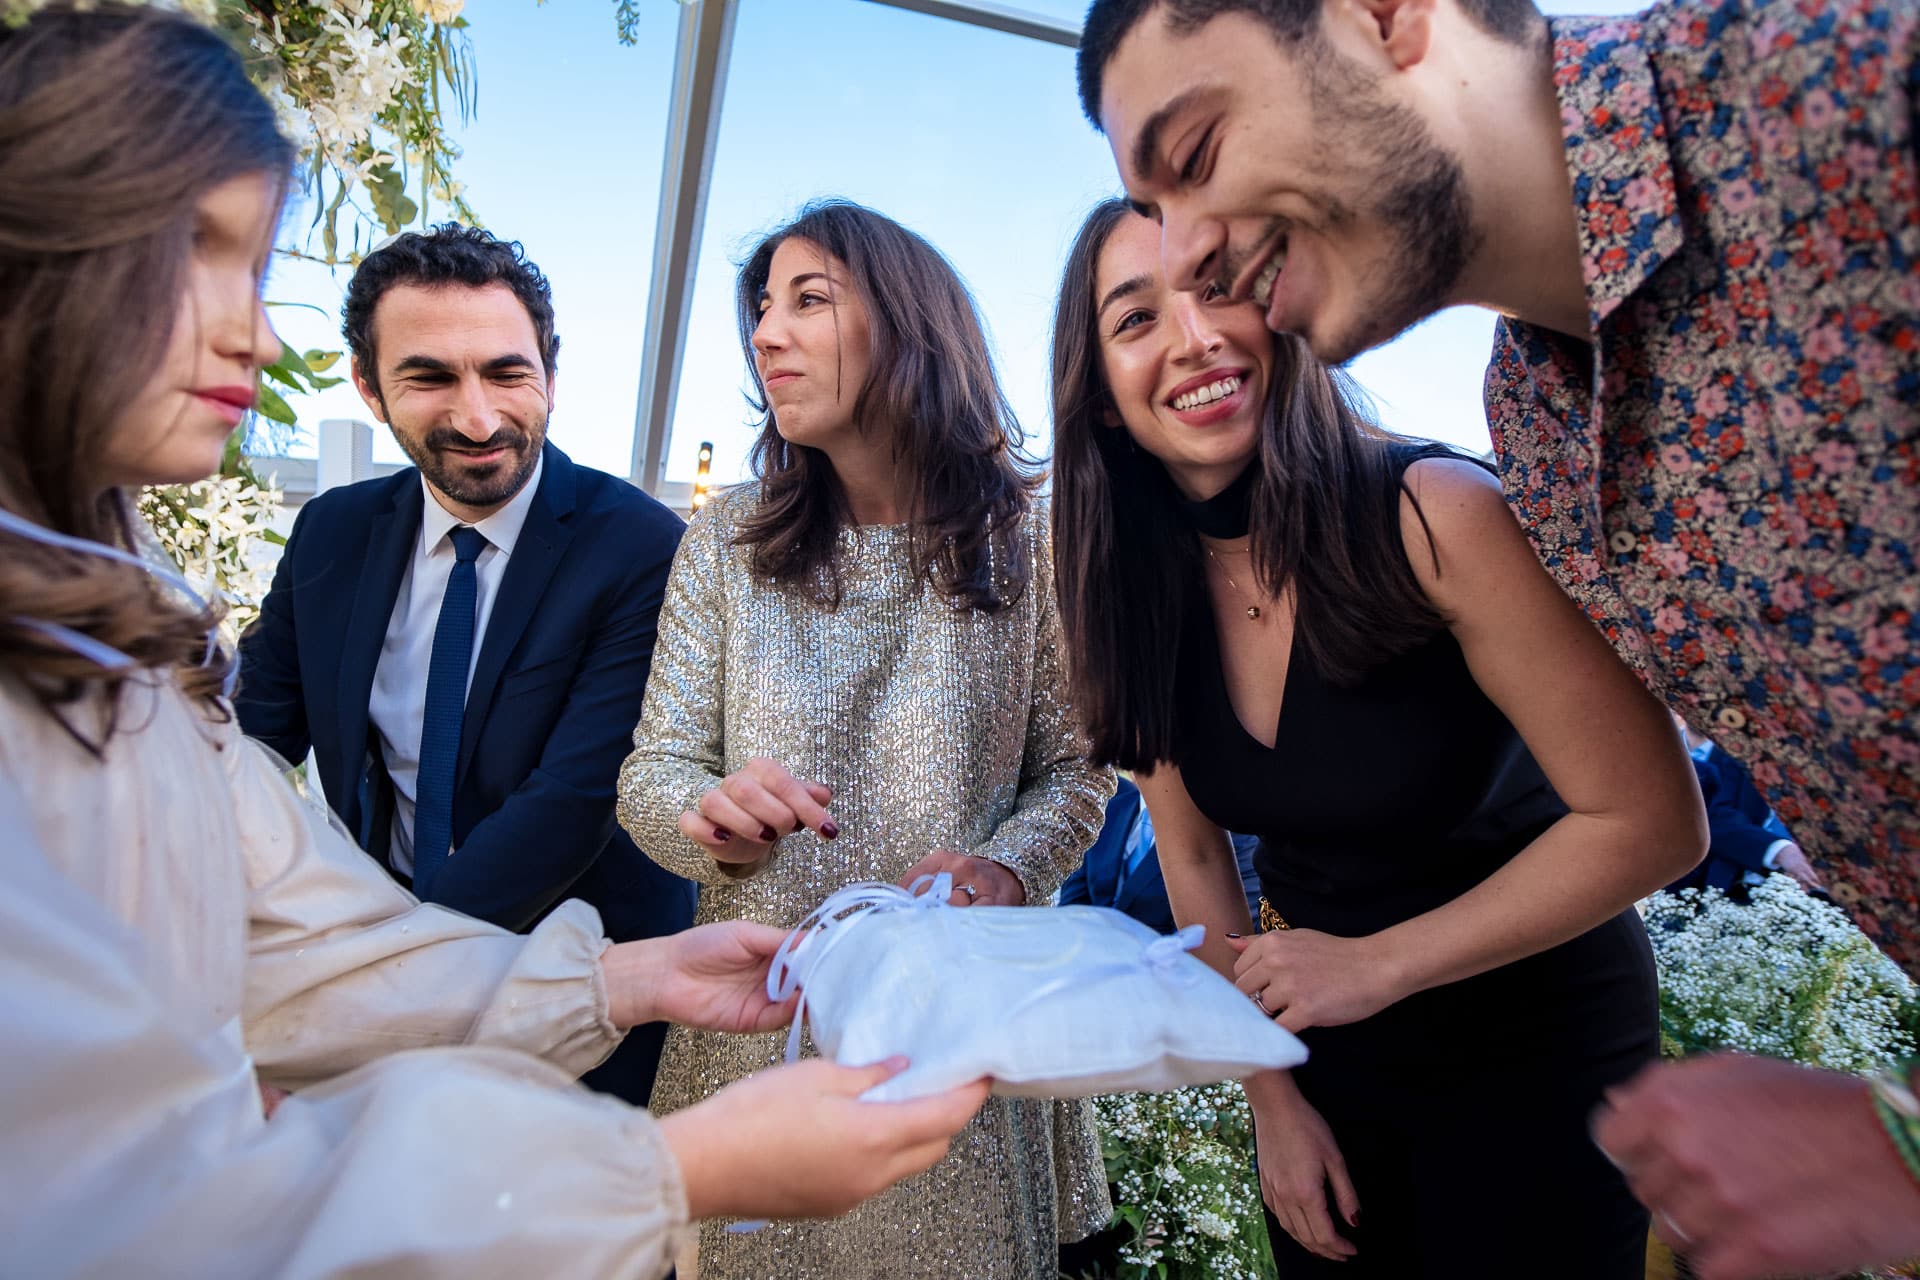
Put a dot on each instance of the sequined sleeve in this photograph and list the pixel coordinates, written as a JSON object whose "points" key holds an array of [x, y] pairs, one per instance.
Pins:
{"points": [[1063, 796], [679, 743]]}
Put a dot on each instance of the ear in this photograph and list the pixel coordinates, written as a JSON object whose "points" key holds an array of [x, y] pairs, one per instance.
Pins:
{"points": [[370, 393], [1109, 414], [1403, 28]]}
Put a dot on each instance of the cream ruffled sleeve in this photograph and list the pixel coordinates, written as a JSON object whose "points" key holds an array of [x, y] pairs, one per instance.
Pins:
{"points": [[134, 1148], [344, 966]]}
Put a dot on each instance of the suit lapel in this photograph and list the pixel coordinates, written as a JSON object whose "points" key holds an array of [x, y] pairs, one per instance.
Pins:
{"points": [[391, 536], [543, 541]]}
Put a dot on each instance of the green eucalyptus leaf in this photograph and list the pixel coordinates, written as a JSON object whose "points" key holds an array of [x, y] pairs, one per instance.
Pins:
{"points": [[272, 406]]}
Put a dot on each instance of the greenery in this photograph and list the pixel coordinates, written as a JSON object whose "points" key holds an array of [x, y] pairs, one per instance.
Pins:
{"points": [[1181, 1167], [1781, 974]]}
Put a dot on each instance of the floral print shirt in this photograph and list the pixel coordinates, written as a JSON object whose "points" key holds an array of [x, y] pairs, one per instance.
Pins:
{"points": [[1728, 478]]}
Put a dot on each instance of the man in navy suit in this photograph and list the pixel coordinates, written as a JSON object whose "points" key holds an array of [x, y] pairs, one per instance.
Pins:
{"points": [[465, 645], [1744, 838], [1122, 868]]}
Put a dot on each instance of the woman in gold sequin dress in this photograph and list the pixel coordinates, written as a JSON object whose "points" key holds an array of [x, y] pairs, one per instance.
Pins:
{"points": [[859, 677]]}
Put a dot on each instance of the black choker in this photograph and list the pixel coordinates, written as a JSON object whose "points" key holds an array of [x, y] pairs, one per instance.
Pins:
{"points": [[1228, 513]]}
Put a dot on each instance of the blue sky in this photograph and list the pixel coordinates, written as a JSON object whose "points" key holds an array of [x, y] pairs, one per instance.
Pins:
{"points": [[971, 137]]}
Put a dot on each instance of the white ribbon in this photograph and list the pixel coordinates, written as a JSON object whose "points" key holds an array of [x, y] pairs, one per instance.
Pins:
{"points": [[1158, 957], [832, 921], [86, 646], [819, 933]]}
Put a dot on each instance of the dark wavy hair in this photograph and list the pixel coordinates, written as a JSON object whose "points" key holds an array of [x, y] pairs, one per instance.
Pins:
{"points": [[1128, 566], [1294, 23], [932, 390], [114, 121], [448, 254]]}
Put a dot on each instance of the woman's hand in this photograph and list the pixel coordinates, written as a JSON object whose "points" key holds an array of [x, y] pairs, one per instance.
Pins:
{"points": [[738, 821], [1303, 979], [713, 977], [795, 1141], [1299, 1163], [992, 884]]}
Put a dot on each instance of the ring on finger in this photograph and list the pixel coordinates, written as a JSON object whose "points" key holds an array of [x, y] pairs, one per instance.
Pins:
{"points": [[1260, 998], [970, 891], [1673, 1231]]}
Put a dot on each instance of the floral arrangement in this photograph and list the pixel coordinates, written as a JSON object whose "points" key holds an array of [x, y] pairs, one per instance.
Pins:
{"points": [[1181, 1165], [214, 530], [1784, 975]]}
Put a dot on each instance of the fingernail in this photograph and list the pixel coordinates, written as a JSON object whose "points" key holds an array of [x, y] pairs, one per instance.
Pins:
{"points": [[1234, 936], [829, 829], [768, 834], [722, 834]]}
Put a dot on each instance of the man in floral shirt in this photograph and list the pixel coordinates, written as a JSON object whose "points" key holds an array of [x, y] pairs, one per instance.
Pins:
{"points": [[1701, 226]]}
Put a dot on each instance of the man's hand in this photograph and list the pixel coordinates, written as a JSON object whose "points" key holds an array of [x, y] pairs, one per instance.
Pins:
{"points": [[1792, 861], [992, 884], [795, 1141], [713, 977], [1758, 1168]]}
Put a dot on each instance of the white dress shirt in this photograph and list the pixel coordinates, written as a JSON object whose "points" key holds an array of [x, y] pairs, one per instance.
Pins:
{"points": [[398, 703]]}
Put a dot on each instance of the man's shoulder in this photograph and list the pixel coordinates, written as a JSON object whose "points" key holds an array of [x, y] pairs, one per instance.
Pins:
{"points": [[615, 503], [359, 499]]}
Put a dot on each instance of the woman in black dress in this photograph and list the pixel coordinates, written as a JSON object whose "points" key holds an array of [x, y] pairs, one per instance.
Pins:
{"points": [[1291, 623]]}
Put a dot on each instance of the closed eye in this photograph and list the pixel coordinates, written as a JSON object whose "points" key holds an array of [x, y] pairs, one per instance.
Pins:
{"points": [[1190, 169]]}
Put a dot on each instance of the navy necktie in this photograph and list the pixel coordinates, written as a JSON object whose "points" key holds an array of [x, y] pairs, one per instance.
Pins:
{"points": [[446, 707]]}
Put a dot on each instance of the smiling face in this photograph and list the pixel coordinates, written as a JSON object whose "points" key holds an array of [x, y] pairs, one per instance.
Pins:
{"points": [[462, 385], [812, 347], [176, 429], [1188, 372], [1285, 175]]}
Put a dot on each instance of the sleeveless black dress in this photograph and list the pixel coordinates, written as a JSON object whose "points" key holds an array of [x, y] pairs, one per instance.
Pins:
{"points": [[1462, 1111]]}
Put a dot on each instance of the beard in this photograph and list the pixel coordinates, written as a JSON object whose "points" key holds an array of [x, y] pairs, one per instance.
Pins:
{"points": [[1412, 190], [1420, 201], [437, 454]]}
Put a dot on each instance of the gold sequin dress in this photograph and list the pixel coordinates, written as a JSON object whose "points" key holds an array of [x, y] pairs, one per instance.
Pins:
{"points": [[937, 728]]}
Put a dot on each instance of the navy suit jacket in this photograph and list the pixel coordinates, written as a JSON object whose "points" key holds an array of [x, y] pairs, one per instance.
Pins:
{"points": [[1102, 878], [1738, 830], [556, 691]]}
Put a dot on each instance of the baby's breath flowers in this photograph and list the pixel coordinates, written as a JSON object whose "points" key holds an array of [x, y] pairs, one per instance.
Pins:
{"points": [[1182, 1168], [1784, 975]]}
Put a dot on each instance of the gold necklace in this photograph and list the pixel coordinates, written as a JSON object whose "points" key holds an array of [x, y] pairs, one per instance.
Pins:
{"points": [[1253, 610]]}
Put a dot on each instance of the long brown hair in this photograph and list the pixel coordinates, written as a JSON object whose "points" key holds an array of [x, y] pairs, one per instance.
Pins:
{"points": [[114, 120], [1325, 524], [932, 391]]}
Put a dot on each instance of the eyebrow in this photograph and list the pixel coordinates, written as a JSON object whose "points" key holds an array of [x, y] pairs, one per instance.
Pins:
{"points": [[431, 364], [1149, 140], [797, 281], [1121, 290]]}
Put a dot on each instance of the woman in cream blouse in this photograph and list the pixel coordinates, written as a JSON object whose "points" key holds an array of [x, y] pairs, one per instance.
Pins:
{"points": [[182, 936]]}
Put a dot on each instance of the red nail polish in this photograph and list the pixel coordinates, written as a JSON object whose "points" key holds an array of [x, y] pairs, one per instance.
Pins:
{"points": [[829, 829], [722, 834], [768, 834]]}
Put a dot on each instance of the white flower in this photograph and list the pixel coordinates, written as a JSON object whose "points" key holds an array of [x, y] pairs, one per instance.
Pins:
{"points": [[439, 12]]}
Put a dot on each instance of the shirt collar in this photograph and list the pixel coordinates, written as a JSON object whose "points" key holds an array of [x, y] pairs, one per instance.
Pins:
{"points": [[1617, 156], [501, 529]]}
